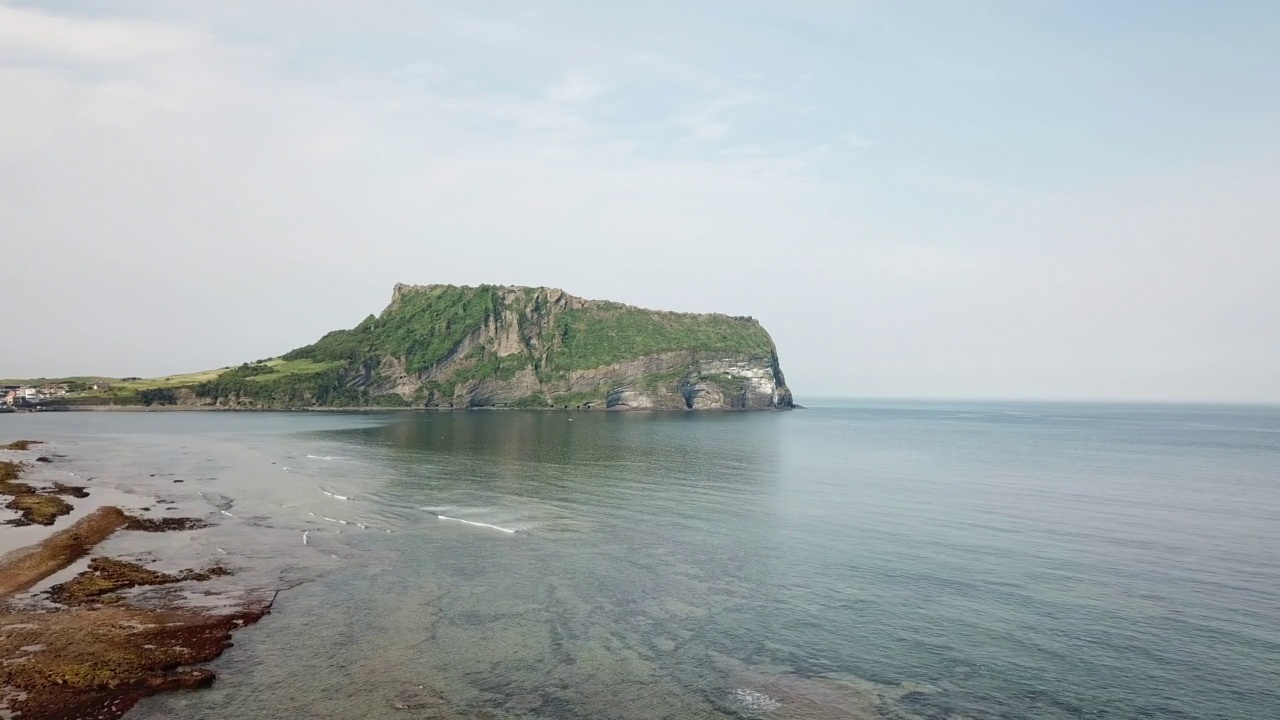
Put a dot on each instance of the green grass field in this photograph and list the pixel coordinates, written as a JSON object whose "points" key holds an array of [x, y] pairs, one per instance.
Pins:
{"points": [[279, 368], [282, 368], [146, 383], [87, 379]]}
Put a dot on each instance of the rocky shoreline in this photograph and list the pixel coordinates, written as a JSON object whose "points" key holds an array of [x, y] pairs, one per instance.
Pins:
{"points": [[92, 646]]}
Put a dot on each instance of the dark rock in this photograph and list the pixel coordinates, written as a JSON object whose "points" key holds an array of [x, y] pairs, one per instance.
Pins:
{"points": [[109, 575], [74, 491], [165, 524]]}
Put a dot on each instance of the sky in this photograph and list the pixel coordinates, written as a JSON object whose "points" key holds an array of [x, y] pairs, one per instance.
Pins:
{"points": [[951, 199]]}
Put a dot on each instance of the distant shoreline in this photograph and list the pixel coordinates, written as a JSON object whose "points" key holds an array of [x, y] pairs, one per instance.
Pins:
{"points": [[390, 408]]}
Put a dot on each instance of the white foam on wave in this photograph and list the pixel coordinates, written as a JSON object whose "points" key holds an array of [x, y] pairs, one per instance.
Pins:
{"points": [[754, 700], [305, 533], [437, 509], [328, 457], [334, 495], [340, 521], [477, 524], [224, 512]]}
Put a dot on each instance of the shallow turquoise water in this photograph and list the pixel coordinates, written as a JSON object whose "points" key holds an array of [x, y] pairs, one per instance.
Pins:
{"points": [[850, 560]]}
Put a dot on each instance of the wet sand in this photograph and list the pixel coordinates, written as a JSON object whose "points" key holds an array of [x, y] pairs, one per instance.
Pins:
{"points": [[86, 647]]}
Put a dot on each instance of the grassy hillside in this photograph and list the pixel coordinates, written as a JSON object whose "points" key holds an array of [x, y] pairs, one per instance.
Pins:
{"points": [[278, 366], [268, 378]]}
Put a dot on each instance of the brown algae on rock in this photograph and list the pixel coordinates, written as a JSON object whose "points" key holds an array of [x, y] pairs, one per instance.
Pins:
{"points": [[168, 524], [99, 663], [35, 507], [94, 654], [9, 471], [109, 575]]}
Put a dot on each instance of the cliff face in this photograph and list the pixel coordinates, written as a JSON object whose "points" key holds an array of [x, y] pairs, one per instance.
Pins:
{"points": [[461, 347]]}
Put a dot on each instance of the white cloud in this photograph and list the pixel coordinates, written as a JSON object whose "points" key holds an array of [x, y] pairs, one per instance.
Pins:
{"points": [[35, 36], [576, 88], [703, 127], [853, 140], [707, 123]]}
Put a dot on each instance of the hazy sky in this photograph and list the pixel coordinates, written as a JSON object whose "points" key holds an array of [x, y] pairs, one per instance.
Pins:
{"points": [[944, 199]]}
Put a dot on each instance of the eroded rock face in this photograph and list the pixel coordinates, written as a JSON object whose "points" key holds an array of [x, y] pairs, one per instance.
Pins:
{"points": [[707, 384], [526, 328], [625, 399]]}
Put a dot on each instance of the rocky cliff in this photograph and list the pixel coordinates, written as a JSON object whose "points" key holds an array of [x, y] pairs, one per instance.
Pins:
{"points": [[497, 346]]}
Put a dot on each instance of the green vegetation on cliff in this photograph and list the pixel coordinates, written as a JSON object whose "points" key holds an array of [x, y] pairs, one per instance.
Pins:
{"points": [[259, 383], [450, 346], [607, 333], [422, 329], [425, 326]]}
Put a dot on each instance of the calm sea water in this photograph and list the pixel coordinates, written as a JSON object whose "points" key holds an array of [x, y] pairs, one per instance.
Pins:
{"points": [[850, 560]]}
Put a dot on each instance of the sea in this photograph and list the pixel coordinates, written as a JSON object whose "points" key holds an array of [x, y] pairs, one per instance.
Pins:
{"points": [[856, 559]]}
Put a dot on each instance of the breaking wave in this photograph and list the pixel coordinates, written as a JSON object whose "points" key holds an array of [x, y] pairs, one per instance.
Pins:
{"points": [[439, 513], [477, 524], [754, 701]]}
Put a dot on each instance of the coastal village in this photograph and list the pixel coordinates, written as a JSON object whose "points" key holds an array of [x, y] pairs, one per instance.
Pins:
{"points": [[23, 397], [42, 397]]}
